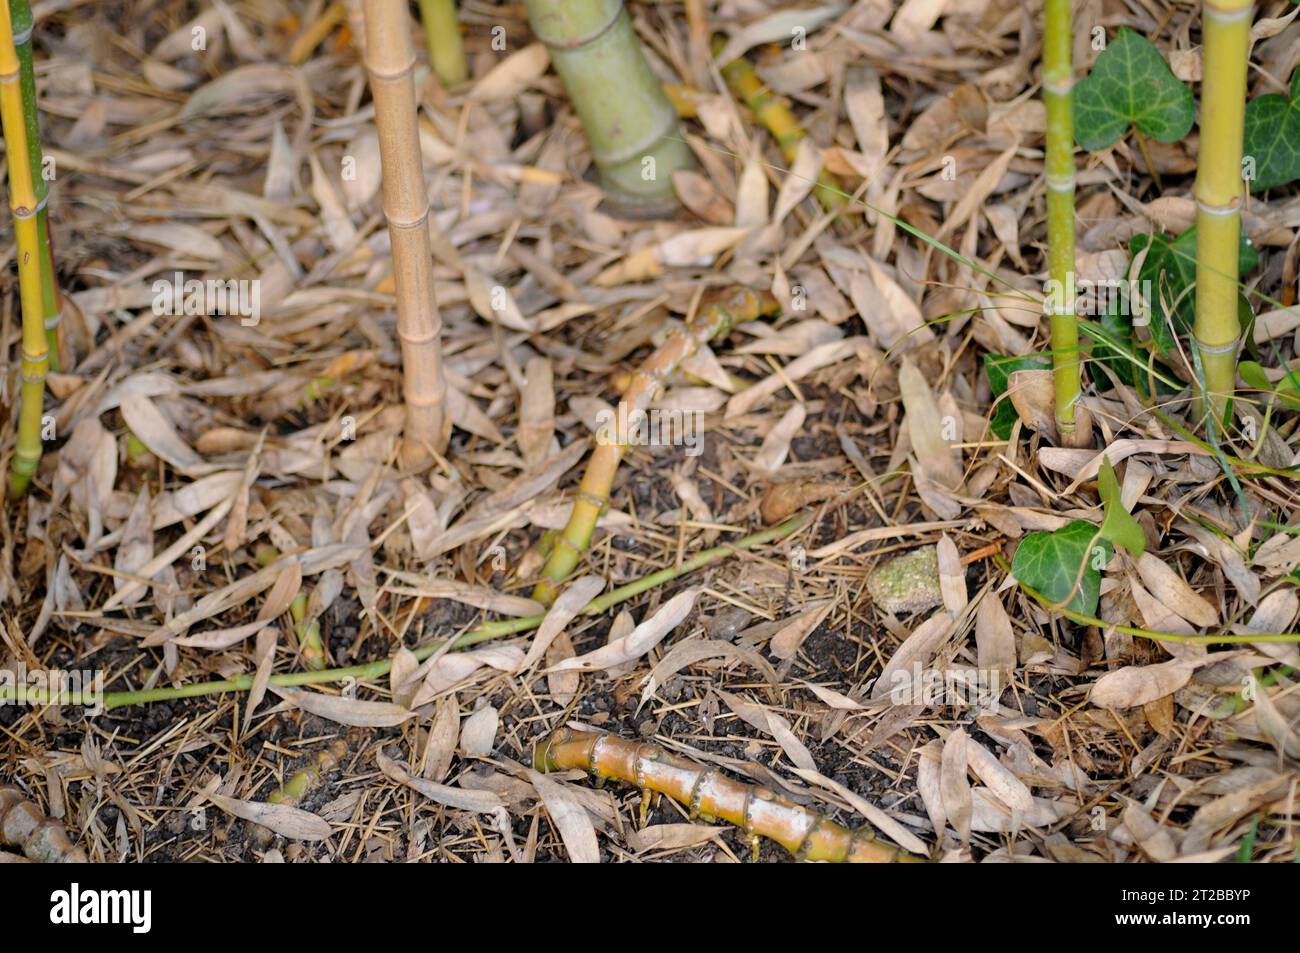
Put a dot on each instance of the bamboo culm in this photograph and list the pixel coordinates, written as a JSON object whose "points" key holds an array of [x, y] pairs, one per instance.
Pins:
{"points": [[714, 319], [709, 794], [631, 126], [1058, 95], [20, 14], [390, 63], [442, 36], [43, 839], [23, 204], [1218, 190]]}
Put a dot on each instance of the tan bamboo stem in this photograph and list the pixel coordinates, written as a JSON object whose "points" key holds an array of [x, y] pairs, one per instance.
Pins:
{"points": [[714, 319], [40, 838], [708, 794], [390, 62]]}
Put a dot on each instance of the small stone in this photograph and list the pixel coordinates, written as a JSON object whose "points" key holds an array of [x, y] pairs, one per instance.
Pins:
{"points": [[907, 583]]}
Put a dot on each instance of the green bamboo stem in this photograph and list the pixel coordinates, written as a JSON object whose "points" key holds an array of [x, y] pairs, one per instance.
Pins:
{"points": [[1058, 95], [630, 124], [481, 633], [1226, 32], [22, 202], [442, 35], [20, 15], [713, 320], [310, 645]]}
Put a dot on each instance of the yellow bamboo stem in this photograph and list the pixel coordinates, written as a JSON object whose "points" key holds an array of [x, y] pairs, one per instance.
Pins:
{"points": [[783, 125], [714, 319], [390, 62], [23, 204], [1226, 30], [707, 793]]}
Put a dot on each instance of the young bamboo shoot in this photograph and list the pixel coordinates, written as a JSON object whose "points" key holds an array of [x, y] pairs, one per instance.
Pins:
{"points": [[1226, 28], [1058, 94], [442, 34], [390, 62], [715, 319], [709, 794], [630, 124], [40, 838], [23, 203]]}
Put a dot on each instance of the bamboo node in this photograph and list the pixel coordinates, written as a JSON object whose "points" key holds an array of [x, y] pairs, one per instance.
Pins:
{"points": [[581, 41]]}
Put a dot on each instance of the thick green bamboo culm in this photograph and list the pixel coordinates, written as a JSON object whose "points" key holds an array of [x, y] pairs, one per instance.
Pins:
{"points": [[442, 35], [22, 202], [1058, 95], [630, 124], [1218, 190], [20, 15]]}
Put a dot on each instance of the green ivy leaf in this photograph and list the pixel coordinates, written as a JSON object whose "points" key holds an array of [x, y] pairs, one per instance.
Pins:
{"points": [[1170, 270], [1049, 563], [1287, 390], [1273, 137], [1131, 85], [999, 367], [1118, 526]]}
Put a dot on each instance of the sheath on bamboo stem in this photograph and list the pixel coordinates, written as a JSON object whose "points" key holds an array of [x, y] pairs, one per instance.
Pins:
{"points": [[715, 319], [708, 794], [22, 202], [1058, 94], [40, 838], [20, 13], [442, 35], [630, 124], [1226, 32], [390, 63], [777, 118]]}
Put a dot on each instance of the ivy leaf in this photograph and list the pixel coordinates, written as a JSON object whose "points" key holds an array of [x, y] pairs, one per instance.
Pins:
{"points": [[1049, 563], [1118, 526], [1287, 390], [1169, 272], [1131, 85], [999, 367], [1273, 137]]}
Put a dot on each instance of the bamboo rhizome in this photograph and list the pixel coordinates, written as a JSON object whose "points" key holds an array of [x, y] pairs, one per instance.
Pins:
{"points": [[709, 794], [442, 36], [1058, 96], [390, 62], [1218, 191], [41, 839], [715, 319], [631, 126], [23, 203], [20, 15]]}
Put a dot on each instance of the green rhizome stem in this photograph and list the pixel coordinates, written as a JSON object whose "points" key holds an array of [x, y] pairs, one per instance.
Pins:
{"points": [[630, 124], [1058, 95], [1218, 190], [20, 16], [442, 35]]}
